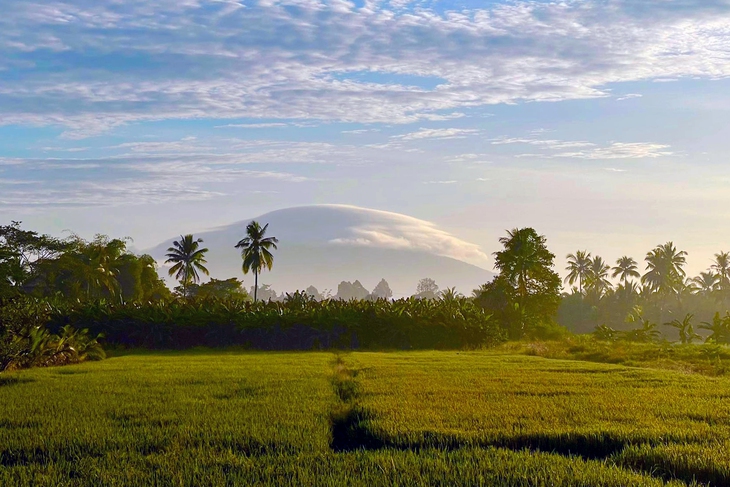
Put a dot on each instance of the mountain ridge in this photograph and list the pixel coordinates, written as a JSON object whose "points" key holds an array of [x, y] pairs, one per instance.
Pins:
{"points": [[322, 245]]}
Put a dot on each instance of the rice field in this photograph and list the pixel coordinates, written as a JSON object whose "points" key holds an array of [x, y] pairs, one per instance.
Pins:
{"points": [[405, 418]]}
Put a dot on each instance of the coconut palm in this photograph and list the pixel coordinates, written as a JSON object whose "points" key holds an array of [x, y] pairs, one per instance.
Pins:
{"points": [[625, 268], [597, 279], [721, 266], [705, 283], [578, 268], [255, 252], [664, 267], [187, 258]]}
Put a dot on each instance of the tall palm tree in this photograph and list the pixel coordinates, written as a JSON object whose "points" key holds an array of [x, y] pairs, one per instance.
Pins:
{"points": [[625, 268], [578, 267], [187, 258], [664, 267], [255, 252], [597, 278], [721, 266]]}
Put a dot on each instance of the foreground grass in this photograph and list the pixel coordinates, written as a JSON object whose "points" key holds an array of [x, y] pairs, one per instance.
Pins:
{"points": [[450, 400], [424, 418]]}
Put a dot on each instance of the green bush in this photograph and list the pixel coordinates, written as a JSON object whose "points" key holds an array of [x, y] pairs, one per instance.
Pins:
{"points": [[25, 340], [298, 323]]}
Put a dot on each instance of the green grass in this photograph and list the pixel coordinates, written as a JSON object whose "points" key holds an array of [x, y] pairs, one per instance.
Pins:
{"points": [[707, 359], [407, 418]]}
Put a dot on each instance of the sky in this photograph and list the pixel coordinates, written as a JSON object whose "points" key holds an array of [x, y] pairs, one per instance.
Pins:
{"points": [[604, 124]]}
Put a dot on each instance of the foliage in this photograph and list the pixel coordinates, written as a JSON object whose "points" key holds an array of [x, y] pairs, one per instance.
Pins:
{"points": [[25, 340], [299, 322], [22, 254], [626, 268], [666, 295], [225, 289], [686, 330], [526, 294], [187, 258], [579, 265], [427, 289], [719, 329], [256, 252], [74, 269], [665, 273]]}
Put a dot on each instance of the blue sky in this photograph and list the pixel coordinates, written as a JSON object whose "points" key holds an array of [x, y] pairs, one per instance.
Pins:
{"points": [[602, 123]]}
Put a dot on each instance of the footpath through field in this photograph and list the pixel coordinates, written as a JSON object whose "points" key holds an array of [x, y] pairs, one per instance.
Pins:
{"points": [[404, 418]]}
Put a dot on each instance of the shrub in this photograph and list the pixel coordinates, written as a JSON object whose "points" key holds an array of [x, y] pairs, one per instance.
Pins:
{"points": [[298, 323]]}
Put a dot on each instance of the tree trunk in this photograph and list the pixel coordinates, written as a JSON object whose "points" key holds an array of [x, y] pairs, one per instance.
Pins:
{"points": [[256, 285]]}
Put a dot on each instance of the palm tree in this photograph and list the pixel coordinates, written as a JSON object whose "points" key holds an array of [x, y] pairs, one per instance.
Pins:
{"points": [[664, 268], [578, 267], [626, 268], [597, 278], [705, 283], [188, 258], [721, 266], [255, 252]]}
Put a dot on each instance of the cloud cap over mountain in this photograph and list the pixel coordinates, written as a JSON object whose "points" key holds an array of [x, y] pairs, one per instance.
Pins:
{"points": [[322, 245]]}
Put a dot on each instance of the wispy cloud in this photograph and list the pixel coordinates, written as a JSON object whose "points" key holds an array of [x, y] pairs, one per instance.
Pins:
{"points": [[588, 150], [425, 133], [360, 131], [265, 60], [619, 150], [629, 96], [548, 144], [253, 125]]}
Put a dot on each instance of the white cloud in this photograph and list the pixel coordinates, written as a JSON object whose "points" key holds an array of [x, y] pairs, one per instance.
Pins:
{"points": [[360, 131], [253, 125], [424, 133], [629, 96], [197, 59], [392, 230], [589, 150], [619, 150], [548, 144]]}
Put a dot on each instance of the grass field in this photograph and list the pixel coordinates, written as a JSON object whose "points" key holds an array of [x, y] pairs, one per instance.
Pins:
{"points": [[407, 418]]}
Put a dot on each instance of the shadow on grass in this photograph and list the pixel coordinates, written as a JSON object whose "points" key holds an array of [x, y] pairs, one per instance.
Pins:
{"points": [[11, 381]]}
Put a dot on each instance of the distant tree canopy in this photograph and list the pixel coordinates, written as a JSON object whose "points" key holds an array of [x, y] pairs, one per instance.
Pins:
{"points": [[663, 293], [221, 289], [266, 293], [313, 292], [351, 290], [427, 289], [525, 296]]}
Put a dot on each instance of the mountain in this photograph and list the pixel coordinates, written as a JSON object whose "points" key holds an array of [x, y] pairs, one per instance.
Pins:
{"points": [[322, 245]]}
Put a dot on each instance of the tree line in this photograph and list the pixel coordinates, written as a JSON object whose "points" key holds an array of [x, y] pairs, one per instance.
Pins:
{"points": [[58, 295], [662, 294]]}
